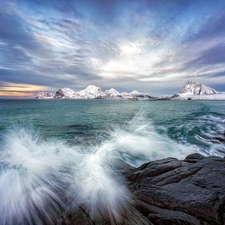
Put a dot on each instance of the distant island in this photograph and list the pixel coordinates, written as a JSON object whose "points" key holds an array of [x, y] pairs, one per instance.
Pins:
{"points": [[190, 91]]}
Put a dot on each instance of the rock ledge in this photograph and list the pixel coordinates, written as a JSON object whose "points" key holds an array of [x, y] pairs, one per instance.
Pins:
{"points": [[173, 192]]}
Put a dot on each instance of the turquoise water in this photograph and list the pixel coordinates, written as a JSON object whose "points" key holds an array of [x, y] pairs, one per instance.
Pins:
{"points": [[197, 123], [58, 155]]}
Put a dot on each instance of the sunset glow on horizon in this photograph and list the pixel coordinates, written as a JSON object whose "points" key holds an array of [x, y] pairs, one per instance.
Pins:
{"points": [[20, 90]]}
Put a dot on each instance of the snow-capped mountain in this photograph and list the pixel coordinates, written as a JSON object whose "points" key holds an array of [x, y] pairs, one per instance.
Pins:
{"points": [[112, 92], [91, 91], [67, 93], [193, 88], [134, 92], [196, 91], [44, 95]]}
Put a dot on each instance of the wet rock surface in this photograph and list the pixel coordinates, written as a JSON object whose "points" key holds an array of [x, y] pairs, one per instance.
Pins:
{"points": [[171, 191]]}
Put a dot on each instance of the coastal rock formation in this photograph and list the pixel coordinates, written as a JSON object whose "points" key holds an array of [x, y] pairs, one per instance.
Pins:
{"points": [[171, 191], [193, 88]]}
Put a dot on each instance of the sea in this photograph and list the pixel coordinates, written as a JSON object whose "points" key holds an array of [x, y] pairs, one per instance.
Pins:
{"points": [[61, 154]]}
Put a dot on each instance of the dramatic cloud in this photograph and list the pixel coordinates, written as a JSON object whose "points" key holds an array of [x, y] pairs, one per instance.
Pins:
{"points": [[152, 46]]}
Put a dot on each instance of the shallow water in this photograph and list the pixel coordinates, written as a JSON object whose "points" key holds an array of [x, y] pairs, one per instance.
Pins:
{"points": [[60, 153]]}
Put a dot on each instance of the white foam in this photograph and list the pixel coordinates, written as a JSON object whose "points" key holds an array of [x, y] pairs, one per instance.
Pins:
{"points": [[38, 177], [138, 142], [29, 178]]}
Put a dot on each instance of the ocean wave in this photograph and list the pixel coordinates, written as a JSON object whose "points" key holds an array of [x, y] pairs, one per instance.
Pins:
{"points": [[206, 132], [41, 179]]}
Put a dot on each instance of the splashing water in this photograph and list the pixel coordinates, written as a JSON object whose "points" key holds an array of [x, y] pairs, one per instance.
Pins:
{"points": [[40, 179], [138, 142], [30, 183]]}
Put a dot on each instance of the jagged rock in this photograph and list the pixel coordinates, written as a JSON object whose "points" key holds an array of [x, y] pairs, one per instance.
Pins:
{"points": [[169, 191], [172, 191]]}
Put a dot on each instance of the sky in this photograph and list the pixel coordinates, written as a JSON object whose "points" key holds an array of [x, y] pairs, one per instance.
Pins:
{"points": [[153, 46]]}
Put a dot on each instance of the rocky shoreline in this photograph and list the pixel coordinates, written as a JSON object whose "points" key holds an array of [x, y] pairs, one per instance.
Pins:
{"points": [[169, 191]]}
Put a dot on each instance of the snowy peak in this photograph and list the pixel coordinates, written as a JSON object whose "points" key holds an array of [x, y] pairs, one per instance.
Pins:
{"points": [[112, 92], [92, 91], [134, 92], [193, 88], [92, 88], [44, 95], [66, 93]]}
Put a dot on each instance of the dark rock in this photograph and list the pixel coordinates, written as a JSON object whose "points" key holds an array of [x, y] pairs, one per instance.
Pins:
{"points": [[175, 96], [59, 94], [171, 191], [164, 216], [194, 157]]}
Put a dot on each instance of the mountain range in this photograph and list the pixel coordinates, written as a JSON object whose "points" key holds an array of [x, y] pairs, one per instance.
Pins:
{"points": [[191, 90], [91, 92]]}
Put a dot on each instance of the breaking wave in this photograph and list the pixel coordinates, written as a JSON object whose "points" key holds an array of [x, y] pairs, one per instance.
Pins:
{"points": [[205, 131], [42, 179]]}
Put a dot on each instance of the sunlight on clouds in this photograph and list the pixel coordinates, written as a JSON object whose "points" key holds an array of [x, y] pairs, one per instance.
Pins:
{"points": [[20, 90], [22, 87], [131, 49], [125, 64], [133, 61]]}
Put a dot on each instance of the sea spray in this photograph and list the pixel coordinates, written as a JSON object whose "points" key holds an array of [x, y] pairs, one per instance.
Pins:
{"points": [[138, 142], [40, 177], [96, 186], [30, 179], [98, 189]]}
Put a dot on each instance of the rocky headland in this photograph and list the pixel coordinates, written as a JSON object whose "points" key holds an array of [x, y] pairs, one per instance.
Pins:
{"points": [[169, 192]]}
